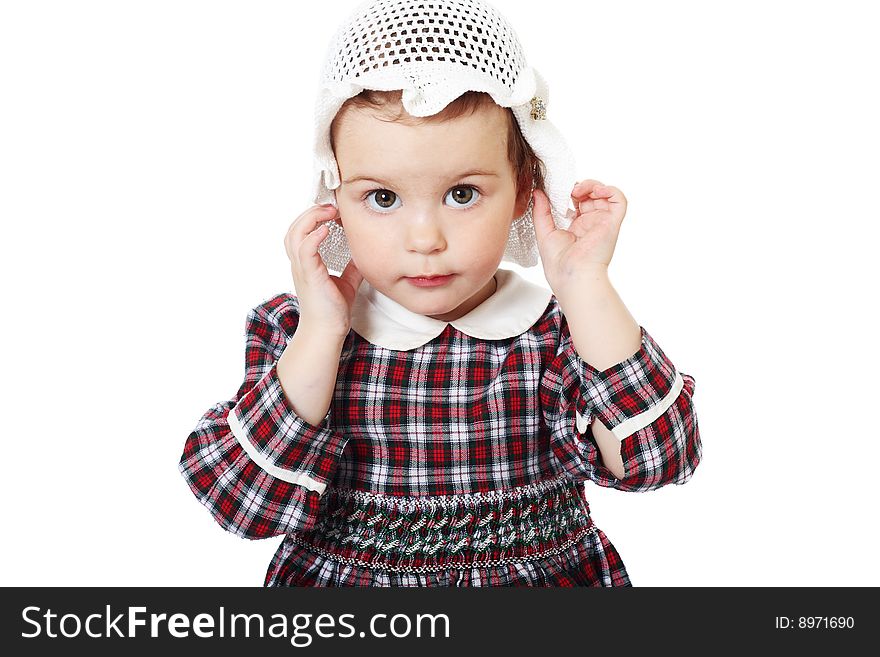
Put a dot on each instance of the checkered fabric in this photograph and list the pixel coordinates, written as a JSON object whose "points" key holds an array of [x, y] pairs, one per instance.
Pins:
{"points": [[457, 463]]}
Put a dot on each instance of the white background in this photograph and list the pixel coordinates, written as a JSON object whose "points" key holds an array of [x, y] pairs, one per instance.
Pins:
{"points": [[153, 155]]}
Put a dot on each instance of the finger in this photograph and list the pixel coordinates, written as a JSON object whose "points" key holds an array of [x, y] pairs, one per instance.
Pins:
{"points": [[607, 197], [308, 220], [582, 190], [582, 195], [304, 225], [303, 217], [542, 216], [309, 257], [602, 191], [613, 194]]}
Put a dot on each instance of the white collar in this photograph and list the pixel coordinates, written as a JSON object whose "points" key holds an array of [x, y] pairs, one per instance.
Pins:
{"points": [[514, 307]]}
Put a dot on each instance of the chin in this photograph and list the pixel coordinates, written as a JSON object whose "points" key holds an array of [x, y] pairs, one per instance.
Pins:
{"points": [[433, 308]]}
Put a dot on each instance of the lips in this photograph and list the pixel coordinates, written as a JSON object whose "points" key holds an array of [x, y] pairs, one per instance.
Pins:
{"points": [[431, 280]]}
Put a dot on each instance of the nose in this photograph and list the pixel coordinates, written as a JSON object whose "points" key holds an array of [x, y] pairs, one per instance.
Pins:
{"points": [[424, 235]]}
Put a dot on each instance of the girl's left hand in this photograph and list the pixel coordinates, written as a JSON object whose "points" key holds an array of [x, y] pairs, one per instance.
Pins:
{"points": [[588, 243]]}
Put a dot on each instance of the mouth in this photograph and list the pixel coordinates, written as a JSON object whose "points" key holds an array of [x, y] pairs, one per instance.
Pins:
{"points": [[430, 280]]}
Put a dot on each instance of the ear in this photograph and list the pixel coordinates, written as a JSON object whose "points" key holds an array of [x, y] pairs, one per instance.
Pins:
{"points": [[522, 202], [338, 218]]}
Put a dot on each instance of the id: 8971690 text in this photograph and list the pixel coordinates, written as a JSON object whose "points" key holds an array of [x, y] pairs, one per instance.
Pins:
{"points": [[815, 623]]}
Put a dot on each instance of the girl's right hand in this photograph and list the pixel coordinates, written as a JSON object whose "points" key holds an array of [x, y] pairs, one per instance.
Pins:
{"points": [[325, 301]]}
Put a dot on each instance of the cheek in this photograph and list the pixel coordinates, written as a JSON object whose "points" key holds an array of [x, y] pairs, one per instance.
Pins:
{"points": [[483, 247], [365, 242], [350, 221]]}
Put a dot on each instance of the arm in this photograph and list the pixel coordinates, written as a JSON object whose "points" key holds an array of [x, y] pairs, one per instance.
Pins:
{"points": [[258, 466], [645, 406], [609, 448], [307, 370], [604, 333], [643, 402]]}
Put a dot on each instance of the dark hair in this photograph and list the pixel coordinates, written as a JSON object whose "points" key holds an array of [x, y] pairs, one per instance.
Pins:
{"points": [[525, 163]]}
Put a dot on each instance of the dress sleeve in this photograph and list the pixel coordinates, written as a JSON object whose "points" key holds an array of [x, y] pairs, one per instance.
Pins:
{"points": [[257, 466], [645, 402]]}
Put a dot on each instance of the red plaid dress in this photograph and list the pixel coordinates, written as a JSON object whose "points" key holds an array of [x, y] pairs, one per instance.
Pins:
{"points": [[456, 459]]}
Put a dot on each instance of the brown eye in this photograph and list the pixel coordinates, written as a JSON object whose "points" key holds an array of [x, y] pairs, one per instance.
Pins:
{"points": [[464, 197], [384, 199]]}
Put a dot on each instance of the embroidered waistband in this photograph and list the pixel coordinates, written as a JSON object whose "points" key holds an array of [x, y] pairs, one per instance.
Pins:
{"points": [[433, 532]]}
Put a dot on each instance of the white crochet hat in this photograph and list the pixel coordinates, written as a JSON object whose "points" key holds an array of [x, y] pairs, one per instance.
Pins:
{"points": [[435, 51]]}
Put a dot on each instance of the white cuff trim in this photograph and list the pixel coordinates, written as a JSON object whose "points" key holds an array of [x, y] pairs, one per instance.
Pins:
{"points": [[289, 476], [581, 421], [640, 421]]}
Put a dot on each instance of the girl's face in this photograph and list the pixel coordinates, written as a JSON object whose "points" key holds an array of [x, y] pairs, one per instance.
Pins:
{"points": [[428, 200]]}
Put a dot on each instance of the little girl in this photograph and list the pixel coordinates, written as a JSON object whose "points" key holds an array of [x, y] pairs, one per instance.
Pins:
{"points": [[426, 418]]}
